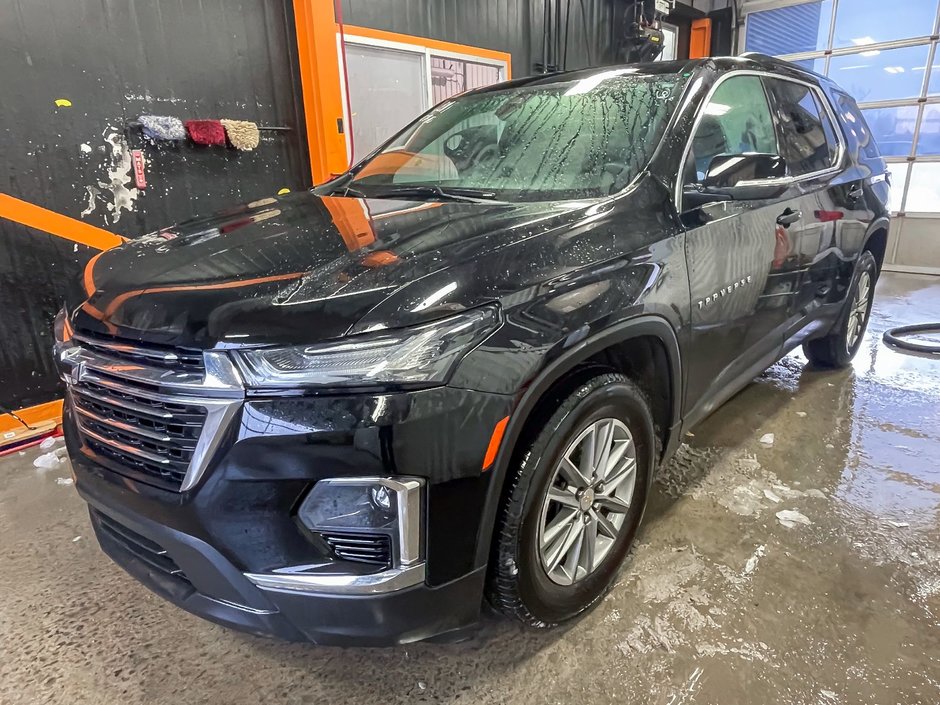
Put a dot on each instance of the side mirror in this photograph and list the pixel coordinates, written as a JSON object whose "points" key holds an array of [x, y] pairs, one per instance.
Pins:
{"points": [[740, 177]]}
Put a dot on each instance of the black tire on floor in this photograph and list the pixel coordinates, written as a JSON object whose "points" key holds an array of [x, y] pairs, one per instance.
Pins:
{"points": [[834, 350], [518, 585]]}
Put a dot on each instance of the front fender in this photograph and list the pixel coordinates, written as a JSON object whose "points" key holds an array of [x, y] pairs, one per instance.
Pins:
{"points": [[644, 325]]}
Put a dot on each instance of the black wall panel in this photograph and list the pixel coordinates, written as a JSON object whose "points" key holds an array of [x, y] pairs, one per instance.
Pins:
{"points": [[35, 269], [116, 59], [516, 26]]}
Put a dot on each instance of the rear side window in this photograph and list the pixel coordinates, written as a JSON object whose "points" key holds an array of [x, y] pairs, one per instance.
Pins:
{"points": [[854, 122], [807, 137], [735, 120]]}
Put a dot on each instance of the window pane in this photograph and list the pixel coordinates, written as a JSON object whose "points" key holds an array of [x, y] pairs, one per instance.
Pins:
{"points": [[881, 75], [790, 30], [933, 87], [736, 120], [893, 129], [817, 65], [452, 76], [923, 195], [805, 134], [387, 90], [862, 22], [898, 174], [928, 143], [854, 123]]}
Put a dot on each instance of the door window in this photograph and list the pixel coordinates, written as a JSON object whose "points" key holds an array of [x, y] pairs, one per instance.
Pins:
{"points": [[807, 139], [735, 120]]}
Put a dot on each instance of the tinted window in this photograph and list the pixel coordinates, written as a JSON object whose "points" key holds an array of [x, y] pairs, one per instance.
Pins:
{"points": [[735, 120], [854, 123], [807, 139]]}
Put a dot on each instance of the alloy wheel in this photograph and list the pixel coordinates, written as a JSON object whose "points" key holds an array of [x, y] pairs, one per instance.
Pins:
{"points": [[859, 311], [587, 501]]}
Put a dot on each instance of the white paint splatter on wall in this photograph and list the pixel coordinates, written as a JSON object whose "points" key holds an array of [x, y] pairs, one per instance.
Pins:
{"points": [[115, 193]]}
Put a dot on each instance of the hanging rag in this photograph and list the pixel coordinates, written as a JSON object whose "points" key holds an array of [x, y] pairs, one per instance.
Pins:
{"points": [[242, 134], [207, 132], [162, 128]]}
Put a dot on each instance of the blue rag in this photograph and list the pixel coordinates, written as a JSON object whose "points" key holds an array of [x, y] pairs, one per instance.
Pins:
{"points": [[162, 127]]}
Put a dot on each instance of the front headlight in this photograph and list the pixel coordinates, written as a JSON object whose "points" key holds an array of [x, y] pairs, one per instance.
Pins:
{"points": [[425, 354]]}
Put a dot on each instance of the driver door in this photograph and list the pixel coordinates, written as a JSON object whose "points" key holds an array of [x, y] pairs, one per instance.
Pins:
{"points": [[734, 252]]}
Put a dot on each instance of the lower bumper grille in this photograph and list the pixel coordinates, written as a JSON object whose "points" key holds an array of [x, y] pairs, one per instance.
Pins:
{"points": [[141, 547], [362, 548], [151, 437]]}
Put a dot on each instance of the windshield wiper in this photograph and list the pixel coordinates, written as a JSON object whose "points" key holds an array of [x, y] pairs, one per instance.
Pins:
{"points": [[356, 193], [469, 195]]}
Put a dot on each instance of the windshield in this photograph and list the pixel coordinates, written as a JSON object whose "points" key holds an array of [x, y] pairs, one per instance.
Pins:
{"points": [[582, 138]]}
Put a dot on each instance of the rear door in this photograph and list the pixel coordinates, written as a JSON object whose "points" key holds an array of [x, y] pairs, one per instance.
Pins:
{"points": [[813, 243], [741, 293]]}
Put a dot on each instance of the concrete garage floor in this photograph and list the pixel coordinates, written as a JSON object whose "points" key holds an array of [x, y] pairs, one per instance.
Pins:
{"points": [[721, 603]]}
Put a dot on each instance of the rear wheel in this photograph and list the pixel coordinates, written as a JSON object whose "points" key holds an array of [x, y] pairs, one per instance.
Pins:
{"points": [[839, 347], [574, 504]]}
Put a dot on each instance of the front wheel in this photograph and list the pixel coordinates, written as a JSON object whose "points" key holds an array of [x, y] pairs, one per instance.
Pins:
{"points": [[839, 347], [574, 504]]}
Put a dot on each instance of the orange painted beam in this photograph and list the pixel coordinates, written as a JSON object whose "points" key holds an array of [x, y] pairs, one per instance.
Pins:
{"points": [[700, 39], [44, 418], [433, 44], [321, 81], [63, 226]]}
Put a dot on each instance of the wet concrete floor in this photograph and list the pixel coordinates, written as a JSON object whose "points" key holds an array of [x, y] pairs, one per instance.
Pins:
{"points": [[802, 571]]}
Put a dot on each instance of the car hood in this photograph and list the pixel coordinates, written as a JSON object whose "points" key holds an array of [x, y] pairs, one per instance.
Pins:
{"points": [[301, 268]]}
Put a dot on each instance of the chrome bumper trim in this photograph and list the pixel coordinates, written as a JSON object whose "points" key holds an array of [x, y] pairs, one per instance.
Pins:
{"points": [[294, 580]]}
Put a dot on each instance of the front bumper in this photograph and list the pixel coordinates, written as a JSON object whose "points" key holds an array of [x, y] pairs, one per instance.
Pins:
{"points": [[211, 587], [240, 520]]}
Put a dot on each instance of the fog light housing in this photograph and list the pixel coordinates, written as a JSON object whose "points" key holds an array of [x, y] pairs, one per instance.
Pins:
{"points": [[370, 505]]}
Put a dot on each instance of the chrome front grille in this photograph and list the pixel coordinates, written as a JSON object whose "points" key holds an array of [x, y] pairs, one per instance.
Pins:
{"points": [[163, 356], [152, 422], [153, 438]]}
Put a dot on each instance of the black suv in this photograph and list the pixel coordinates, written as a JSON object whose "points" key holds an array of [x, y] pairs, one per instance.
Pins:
{"points": [[345, 416]]}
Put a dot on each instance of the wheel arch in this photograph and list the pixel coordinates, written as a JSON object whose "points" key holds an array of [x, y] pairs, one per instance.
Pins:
{"points": [[876, 240], [581, 356]]}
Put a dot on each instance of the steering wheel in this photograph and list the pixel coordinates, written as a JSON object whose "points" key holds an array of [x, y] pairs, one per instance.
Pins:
{"points": [[488, 157]]}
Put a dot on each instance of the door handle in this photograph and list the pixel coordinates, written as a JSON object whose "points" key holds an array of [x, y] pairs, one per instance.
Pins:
{"points": [[789, 217]]}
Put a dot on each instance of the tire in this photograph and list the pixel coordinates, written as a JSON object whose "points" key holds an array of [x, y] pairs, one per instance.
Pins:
{"points": [[520, 583], [839, 347]]}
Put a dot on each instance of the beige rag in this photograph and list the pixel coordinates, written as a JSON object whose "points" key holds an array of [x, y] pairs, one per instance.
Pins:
{"points": [[242, 134]]}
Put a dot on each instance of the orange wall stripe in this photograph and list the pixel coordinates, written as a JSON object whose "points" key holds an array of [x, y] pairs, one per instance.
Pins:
{"points": [[63, 226], [436, 44], [43, 417], [497, 438]]}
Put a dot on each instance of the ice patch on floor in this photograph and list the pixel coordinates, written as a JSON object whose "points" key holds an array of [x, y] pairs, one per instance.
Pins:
{"points": [[751, 565], [47, 461], [749, 651], [791, 518], [736, 481]]}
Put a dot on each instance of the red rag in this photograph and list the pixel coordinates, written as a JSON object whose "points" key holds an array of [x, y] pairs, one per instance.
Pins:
{"points": [[209, 132]]}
